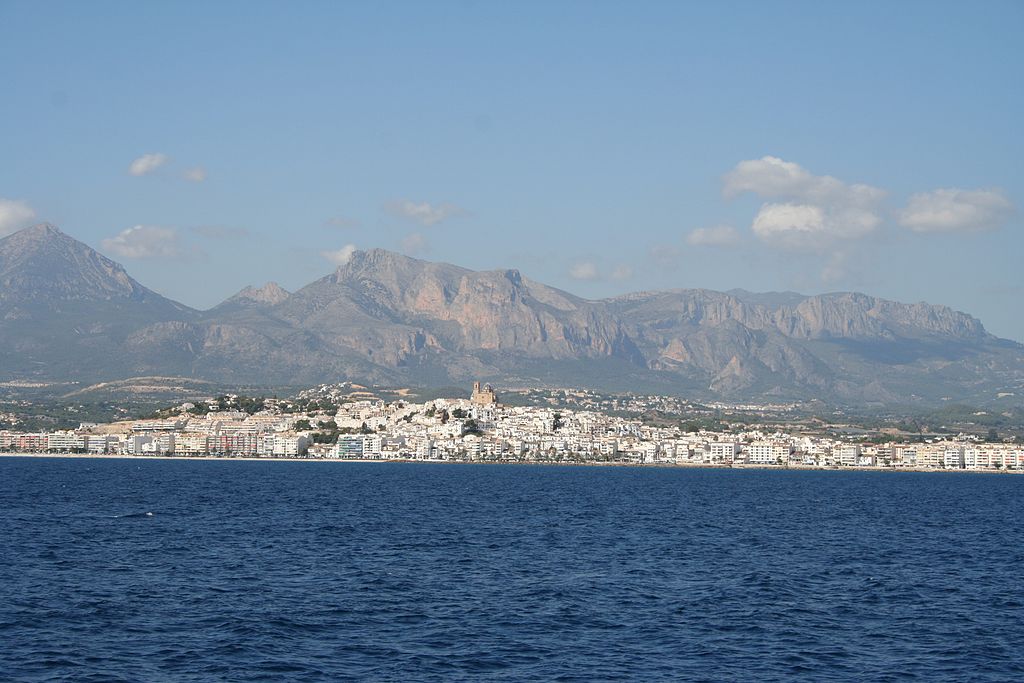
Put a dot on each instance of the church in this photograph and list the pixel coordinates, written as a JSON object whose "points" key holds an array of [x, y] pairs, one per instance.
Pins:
{"points": [[484, 395]]}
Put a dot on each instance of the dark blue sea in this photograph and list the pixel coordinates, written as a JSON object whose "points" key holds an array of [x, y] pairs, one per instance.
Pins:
{"points": [[159, 570]]}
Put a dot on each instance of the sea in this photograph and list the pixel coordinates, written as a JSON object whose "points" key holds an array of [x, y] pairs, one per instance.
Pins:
{"points": [[175, 570]]}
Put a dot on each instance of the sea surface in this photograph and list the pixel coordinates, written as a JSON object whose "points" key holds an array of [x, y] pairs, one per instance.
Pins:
{"points": [[169, 570]]}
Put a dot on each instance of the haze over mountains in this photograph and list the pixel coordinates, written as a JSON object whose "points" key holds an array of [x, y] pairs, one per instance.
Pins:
{"points": [[69, 313]]}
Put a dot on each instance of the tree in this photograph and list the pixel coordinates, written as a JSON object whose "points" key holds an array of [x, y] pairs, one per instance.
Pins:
{"points": [[302, 425], [325, 437]]}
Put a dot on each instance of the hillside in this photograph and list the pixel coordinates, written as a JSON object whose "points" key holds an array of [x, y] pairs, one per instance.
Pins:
{"points": [[70, 313]]}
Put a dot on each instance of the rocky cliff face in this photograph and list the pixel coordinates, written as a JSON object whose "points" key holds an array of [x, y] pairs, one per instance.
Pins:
{"points": [[269, 294], [395, 306], [388, 318], [864, 317]]}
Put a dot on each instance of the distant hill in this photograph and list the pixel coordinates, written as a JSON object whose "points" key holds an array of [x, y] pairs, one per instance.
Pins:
{"points": [[67, 312], [269, 294]]}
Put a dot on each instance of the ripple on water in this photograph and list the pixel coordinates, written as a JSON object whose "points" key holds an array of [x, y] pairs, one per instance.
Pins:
{"points": [[198, 571]]}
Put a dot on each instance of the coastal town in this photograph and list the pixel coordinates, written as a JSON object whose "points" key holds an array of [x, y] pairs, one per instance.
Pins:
{"points": [[482, 429]]}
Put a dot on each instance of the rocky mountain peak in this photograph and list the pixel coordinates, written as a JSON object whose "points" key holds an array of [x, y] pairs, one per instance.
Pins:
{"points": [[269, 294], [42, 262], [41, 230], [386, 317], [42, 268], [376, 259], [39, 237]]}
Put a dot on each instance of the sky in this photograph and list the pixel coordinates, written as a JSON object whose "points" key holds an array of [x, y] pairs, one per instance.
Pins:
{"points": [[600, 147]]}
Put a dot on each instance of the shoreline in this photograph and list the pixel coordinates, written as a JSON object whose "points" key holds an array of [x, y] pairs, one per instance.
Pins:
{"points": [[660, 465]]}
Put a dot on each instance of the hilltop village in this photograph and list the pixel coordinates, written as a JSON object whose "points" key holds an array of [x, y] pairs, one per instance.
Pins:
{"points": [[482, 429]]}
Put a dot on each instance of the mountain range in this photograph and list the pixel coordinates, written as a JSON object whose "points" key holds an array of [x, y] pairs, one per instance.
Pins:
{"points": [[69, 313]]}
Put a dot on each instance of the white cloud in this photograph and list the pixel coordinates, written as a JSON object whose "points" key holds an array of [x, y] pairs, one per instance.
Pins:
{"points": [[815, 211], [774, 177], [14, 215], [781, 219], [809, 226], [956, 210], [144, 241], [716, 236], [767, 177], [340, 257], [585, 270], [414, 243], [423, 213], [590, 271], [147, 163], [196, 174]]}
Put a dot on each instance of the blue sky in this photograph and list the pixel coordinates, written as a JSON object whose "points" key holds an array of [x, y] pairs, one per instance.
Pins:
{"points": [[600, 147]]}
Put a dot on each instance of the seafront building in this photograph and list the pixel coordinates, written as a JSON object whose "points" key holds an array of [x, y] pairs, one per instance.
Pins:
{"points": [[481, 429]]}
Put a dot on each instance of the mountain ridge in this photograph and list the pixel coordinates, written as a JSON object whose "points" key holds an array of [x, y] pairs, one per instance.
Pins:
{"points": [[388, 318], [41, 262]]}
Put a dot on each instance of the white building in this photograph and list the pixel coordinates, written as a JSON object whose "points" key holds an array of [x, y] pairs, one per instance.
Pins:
{"points": [[425, 449], [286, 445], [372, 446], [849, 454], [769, 453], [724, 451], [191, 444], [953, 458], [100, 444], [65, 442]]}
